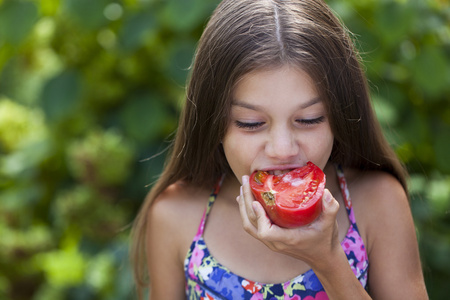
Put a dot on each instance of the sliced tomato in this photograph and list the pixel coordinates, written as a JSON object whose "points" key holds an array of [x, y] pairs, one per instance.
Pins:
{"points": [[292, 199]]}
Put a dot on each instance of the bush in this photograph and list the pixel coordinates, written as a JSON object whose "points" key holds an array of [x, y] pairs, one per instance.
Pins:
{"points": [[90, 89]]}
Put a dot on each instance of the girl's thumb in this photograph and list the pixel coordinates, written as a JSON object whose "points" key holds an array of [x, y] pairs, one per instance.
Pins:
{"points": [[329, 204]]}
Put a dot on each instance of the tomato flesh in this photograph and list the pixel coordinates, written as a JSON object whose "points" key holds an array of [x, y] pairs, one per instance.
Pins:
{"points": [[292, 199]]}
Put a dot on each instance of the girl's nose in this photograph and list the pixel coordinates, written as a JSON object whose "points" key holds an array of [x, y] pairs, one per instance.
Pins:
{"points": [[282, 144]]}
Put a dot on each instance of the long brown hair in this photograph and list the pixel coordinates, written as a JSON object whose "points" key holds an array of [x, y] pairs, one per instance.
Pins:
{"points": [[248, 35]]}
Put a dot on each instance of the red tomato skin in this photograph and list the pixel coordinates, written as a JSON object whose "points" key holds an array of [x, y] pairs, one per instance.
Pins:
{"points": [[268, 191]]}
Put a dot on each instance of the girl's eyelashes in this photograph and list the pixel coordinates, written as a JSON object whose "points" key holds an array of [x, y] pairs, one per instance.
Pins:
{"points": [[309, 122], [249, 125], [256, 125]]}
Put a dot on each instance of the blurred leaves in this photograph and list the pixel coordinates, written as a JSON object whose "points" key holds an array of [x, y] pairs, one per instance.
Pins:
{"points": [[431, 71], [90, 89], [86, 14], [405, 47], [10, 13], [24, 125], [135, 29], [100, 159], [442, 147], [60, 95]]}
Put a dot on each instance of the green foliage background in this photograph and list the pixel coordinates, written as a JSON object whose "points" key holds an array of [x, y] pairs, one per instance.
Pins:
{"points": [[90, 89]]}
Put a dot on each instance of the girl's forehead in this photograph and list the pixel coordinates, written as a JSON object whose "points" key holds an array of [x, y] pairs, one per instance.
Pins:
{"points": [[277, 90], [272, 80], [280, 69]]}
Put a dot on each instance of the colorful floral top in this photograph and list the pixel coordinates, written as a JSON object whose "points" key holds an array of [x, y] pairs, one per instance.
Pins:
{"points": [[206, 278]]}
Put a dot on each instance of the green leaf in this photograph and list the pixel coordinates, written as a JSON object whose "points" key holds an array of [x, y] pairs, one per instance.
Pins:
{"points": [[135, 29], [415, 128], [185, 15], [442, 148], [145, 117], [17, 18], [87, 14], [393, 21], [431, 71], [385, 111], [61, 94]]}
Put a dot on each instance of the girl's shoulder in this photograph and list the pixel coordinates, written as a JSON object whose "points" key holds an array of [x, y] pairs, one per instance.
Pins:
{"points": [[386, 224], [374, 188], [379, 201], [180, 201], [373, 184], [183, 195], [177, 212]]}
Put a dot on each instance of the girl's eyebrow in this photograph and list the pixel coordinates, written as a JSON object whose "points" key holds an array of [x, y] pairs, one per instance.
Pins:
{"points": [[256, 107], [311, 102], [245, 105]]}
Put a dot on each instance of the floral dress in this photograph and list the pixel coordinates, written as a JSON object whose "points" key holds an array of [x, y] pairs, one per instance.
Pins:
{"points": [[206, 278]]}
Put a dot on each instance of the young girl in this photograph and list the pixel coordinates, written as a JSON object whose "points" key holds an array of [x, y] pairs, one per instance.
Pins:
{"points": [[276, 84]]}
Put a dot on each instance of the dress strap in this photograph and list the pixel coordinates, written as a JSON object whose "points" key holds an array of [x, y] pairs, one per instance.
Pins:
{"points": [[345, 193], [211, 200]]}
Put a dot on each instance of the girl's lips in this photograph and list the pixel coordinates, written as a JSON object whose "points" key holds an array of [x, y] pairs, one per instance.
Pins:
{"points": [[279, 170]]}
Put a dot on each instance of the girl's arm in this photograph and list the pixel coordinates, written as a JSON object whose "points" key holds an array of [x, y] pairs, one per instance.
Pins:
{"points": [[318, 245], [395, 270], [162, 250]]}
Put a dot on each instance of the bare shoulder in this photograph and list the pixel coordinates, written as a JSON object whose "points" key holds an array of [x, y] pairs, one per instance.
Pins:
{"points": [[375, 184], [377, 197], [177, 212], [384, 218], [172, 221], [180, 200], [375, 188]]}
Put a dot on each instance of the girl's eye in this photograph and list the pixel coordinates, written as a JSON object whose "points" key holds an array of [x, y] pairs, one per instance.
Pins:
{"points": [[309, 122], [249, 125]]}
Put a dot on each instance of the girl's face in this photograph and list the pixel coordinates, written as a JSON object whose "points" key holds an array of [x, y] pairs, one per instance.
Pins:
{"points": [[277, 123]]}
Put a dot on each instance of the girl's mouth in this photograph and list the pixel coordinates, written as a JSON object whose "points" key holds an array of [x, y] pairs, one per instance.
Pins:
{"points": [[279, 172]]}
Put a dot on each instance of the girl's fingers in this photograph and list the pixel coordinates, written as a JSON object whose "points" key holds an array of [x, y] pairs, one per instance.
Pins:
{"points": [[330, 207], [248, 199], [246, 223], [264, 225], [256, 222]]}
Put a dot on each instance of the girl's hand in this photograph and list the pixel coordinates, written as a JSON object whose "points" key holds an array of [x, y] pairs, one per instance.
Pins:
{"points": [[310, 243]]}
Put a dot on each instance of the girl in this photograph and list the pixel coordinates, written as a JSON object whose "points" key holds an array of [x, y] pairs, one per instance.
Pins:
{"points": [[275, 84]]}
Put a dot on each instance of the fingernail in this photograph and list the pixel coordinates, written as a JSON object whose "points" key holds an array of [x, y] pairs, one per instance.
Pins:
{"points": [[241, 190], [244, 179]]}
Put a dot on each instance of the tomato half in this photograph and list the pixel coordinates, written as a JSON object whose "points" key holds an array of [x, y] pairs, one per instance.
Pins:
{"points": [[292, 199]]}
